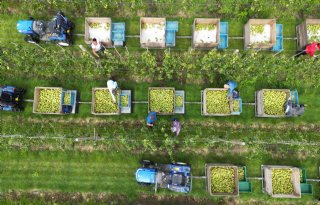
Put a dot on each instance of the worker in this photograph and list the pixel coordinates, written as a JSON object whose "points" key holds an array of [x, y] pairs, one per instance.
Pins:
{"points": [[176, 126], [151, 119], [232, 93], [97, 47], [112, 87], [292, 109], [309, 49]]}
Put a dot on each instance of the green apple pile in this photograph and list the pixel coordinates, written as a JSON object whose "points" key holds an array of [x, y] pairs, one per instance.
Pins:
{"points": [[179, 101], [256, 29], [281, 181], [124, 100], [107, 26], [161, 100], [95, 25], [240, 174], [273, 102], [217, 102], [313, 32], [67, 98], [236, 105], [104, 103], [208, 27], [222, 180], [301, 176], [49, 101]]}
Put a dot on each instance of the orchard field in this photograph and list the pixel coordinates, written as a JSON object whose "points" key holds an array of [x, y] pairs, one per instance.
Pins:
{"points": [[88, 159]]}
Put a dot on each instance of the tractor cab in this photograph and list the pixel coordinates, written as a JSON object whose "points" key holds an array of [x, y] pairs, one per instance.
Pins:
{"points": [[11, 98], [57, 30], [175, 177]]}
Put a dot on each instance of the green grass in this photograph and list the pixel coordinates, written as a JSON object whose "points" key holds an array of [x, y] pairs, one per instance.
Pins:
{"points": [[111, 172]]}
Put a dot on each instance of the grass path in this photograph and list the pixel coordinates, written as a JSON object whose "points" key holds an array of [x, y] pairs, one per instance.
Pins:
{"points": [[110, 172]]}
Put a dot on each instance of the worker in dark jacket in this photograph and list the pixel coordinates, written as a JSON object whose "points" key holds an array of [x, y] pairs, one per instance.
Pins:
{"points": [[151, 119]]}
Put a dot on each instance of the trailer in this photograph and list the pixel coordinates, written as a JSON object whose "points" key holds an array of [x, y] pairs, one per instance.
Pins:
{"points": [[223, 106], [260, 108], [206, 33], [213, 184], [308, 32], [260, 34], [102, 103], [269, 178], [54, 100], [166, 104], [104, 30]]}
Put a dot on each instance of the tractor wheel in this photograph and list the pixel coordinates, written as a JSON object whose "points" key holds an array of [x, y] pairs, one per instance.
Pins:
{"points": [[144, 184], [181, 163], [15, 109], [29, 39], [64, 43], [146, 163]]}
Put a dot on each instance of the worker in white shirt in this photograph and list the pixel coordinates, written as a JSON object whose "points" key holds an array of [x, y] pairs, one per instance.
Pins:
{"points": [[112, 87], [97, 47]]}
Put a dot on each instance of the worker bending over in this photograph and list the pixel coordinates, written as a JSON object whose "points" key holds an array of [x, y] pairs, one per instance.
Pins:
{"points": [[309, 49], [291, 109], [97, 47], [112, 87], [176, 126], [151, 119], [233, 93]]}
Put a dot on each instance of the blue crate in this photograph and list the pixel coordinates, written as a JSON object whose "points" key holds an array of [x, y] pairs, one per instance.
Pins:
{"points": [[294, 96], [279, 45], [223, 42], [172, 26], [129, 100], [170, 38], [118, 32], [223, 35], [224, 28], [240, 107], [279, 37], [279, 30]]}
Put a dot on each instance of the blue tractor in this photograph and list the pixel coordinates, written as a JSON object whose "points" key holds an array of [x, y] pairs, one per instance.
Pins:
{"points": [[11, 98], [175, 176], [58, 30]]}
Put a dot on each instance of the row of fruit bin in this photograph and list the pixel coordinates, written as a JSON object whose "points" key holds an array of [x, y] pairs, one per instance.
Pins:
{"points": [[163, 100], [277, 181], [207, 33]]}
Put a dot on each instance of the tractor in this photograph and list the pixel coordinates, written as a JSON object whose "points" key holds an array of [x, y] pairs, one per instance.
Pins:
{"points": [[58, 30], [11, 98], [175, 176]]}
